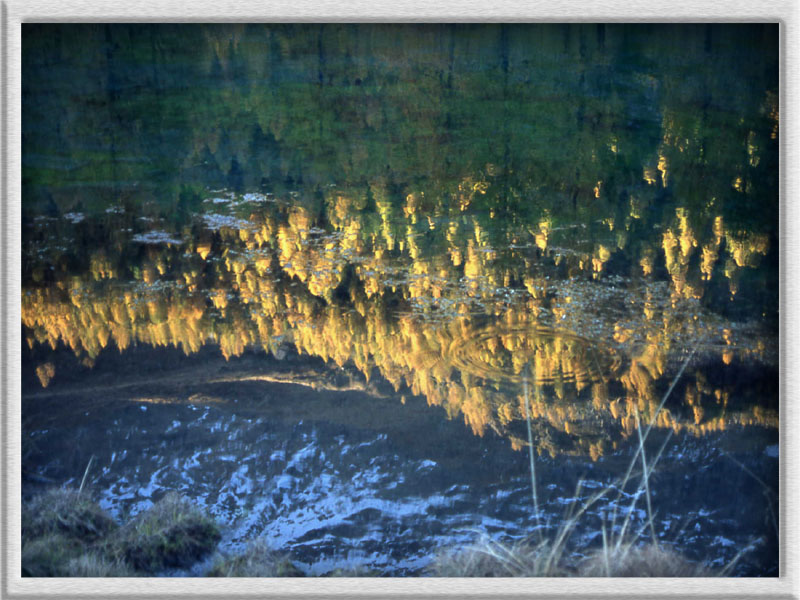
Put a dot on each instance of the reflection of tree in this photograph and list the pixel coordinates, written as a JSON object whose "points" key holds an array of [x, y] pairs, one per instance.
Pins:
{"points": [[577, 119], [404, 179], [573, 149], [276, 275]]}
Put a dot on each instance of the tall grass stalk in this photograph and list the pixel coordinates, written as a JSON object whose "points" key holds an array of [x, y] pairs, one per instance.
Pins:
{"points": [[570, 522], [621, 546], [629, 515], [729, 567], [645, 478], [643, 437], [605, 551], [530, 449], [621, 554], [86, 473], [769, 493]]}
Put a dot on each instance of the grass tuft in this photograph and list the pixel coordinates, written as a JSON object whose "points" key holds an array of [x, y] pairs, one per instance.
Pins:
{"points": [[649, 560], [56, 555], [94, 565], [257, 560], [65, 512], [173, 533], [47, 556], [488, 558]]}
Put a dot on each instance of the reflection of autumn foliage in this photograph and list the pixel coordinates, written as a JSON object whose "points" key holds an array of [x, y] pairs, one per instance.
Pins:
{"points": [[45, 372], [348, 295], [480, 222]]}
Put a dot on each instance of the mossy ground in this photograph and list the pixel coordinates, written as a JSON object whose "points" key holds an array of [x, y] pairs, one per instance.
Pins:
{"points": [[173, 533], [48, 555], [65, 534], [257, 560], [66, 512], [524, 559], [62, 531]]}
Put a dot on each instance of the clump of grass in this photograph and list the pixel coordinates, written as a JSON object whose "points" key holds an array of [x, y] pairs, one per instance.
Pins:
{"points": [[257, 560], [66, 512], [173, 533], [65, 534], [356, 571], [56, 555], [61, 529], [95, 565], [649, 560], [48, 555], [489, 558]]}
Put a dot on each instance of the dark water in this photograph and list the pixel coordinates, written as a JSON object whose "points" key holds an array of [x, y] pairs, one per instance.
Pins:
{"points": [[314, 277]]}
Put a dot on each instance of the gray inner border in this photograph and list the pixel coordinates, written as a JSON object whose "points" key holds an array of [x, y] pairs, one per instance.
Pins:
{"points": [[15, 12]]}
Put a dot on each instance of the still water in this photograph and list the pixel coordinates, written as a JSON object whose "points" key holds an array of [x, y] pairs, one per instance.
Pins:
{"points": [[333, 282]]}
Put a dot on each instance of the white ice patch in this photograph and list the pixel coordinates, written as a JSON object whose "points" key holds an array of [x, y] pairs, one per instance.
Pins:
{"points": [[155, 237], [152, 485], [492, 522], [216, 221], [254, 197], [592, 485], [302, 456], [722, 541], [239, 483], [74, 217]]}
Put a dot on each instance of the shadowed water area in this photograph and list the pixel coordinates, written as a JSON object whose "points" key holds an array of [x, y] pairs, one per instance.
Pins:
{"points": [[332, 282]]}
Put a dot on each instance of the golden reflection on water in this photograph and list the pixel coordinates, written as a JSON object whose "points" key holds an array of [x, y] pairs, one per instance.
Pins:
{"points": [[463, 334], [448, 206]]}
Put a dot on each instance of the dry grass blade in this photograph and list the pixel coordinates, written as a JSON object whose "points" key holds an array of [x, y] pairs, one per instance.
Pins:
{"points": [[748, 471], [605, 552], [660, 407], [530, 448], [645, 478], [490, 558], [641, 561], [769, 494], [557, 548], [86, 473]]}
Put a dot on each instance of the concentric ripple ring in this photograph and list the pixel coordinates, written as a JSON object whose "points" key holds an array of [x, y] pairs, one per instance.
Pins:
{"points": [[502, 353]]}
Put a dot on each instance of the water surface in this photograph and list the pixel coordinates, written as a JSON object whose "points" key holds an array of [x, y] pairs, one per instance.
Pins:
{"points": [[314, 277]]}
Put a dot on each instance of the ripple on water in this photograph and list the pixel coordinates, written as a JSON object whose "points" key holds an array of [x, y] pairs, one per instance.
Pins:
{"points": [[537, 354]]}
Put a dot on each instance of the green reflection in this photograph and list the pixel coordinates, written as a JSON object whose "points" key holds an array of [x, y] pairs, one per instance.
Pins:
{"points": [[443, 204]]}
